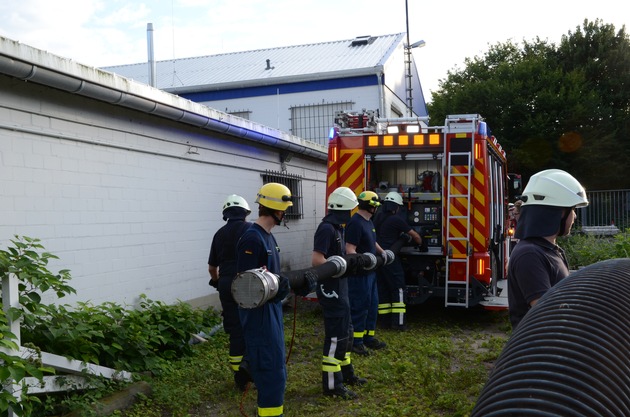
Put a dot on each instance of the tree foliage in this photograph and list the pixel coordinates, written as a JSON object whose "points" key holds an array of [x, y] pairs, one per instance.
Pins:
{"points": [[563, 106]]}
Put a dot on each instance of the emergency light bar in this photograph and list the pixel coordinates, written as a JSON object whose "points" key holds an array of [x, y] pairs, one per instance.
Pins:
{"points": [[404, 143]]}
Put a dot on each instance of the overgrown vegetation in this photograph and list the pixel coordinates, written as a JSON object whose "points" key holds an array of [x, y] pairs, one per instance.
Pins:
{"points": [[437, 368], [146, 339], [583, 250]]}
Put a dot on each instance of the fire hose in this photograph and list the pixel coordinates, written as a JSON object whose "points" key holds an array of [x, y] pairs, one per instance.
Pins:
{"points": [[254, 287], [570, 355]]}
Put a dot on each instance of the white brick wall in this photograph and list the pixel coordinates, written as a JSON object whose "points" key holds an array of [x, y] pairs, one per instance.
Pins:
{"points": [[116, 196]]}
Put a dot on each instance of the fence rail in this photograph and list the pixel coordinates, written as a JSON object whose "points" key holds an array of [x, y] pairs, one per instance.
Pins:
{"points": [[606, 208]]}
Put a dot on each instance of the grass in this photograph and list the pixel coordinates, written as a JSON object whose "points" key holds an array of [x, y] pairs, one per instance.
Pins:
{"points": [[435, 369]]}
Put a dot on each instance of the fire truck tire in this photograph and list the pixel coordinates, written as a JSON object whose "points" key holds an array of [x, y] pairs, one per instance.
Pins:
{"points": [[570, 355]]}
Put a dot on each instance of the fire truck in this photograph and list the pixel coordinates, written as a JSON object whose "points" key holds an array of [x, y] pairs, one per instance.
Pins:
{"points": [[455, 187]]}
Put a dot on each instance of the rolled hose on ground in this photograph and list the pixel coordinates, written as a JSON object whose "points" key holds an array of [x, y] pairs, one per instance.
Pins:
{"points": [[570, 355]]}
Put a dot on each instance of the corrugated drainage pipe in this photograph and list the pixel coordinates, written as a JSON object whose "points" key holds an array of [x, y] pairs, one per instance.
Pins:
{"points": [[570, 355]]}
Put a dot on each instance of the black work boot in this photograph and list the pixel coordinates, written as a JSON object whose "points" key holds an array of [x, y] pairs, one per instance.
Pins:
{"points": [[374, 343], [341, 391], [360, 350], [350, 378], [355, 380], [242, 377]]}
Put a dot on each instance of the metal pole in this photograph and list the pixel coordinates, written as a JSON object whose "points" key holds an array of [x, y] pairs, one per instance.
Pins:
{"points": [[408, 64], [152, 66]]}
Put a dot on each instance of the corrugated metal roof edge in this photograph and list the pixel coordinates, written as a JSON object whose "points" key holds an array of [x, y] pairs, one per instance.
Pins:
{"points": [[357, 72], [30, 64], [398, 36]]}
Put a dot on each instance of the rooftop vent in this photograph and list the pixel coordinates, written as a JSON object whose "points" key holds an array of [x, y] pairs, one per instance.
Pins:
{"points": [[362, 40]]}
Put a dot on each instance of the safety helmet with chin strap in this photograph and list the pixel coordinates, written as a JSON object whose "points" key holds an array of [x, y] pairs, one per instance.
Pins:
{"points": [[394, 197], [343, 198], [234, 200], [554, 187], [368, 199], [548, 200], [274, 196]]}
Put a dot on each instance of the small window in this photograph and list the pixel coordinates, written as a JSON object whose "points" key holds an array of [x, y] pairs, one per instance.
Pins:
{"points": [[293, 183], [395, 112], [243, 114]]}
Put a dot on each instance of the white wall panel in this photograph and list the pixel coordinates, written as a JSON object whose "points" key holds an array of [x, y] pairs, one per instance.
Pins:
{"points": [[118, 197]]}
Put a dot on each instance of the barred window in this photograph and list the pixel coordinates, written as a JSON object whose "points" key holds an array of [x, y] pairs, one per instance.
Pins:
{"points": [[313, 122], [292, 182]]}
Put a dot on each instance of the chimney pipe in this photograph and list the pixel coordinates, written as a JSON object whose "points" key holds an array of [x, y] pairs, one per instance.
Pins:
{"points": [[152, 66]]}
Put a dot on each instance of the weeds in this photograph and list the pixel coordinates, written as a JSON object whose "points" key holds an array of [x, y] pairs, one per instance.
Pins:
{"points": [[437, 368]]}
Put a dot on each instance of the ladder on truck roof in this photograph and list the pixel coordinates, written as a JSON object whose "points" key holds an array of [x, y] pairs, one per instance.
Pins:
{"points": [[458, 209]]}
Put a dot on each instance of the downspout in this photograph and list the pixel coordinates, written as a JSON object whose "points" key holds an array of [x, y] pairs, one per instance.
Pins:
{"points": [[152, 65]]}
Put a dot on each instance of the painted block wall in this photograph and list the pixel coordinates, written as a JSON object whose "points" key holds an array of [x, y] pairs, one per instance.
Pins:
{"points": [[129, 201]]}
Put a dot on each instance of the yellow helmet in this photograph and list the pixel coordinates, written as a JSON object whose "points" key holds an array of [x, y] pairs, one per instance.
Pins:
{"points": [[368, 199], [274, 196]]}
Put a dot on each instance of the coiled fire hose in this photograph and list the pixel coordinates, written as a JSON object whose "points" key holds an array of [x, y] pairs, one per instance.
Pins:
{"points": [[570, 355]]}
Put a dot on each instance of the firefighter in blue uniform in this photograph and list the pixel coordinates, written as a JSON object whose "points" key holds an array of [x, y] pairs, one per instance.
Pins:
{"points": [[263, 326], [390, 278], [361, 238], [332, 295], [222, 269]]}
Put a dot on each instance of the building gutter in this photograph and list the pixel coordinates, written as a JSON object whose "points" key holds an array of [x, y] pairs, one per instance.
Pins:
{"points": [[29, 64]]}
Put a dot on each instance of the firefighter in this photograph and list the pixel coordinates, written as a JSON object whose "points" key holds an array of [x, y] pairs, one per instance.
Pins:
{"points": [[537, 263], [363, 294], [263, 327], [222, 269], [391, 277], [332, 295]]}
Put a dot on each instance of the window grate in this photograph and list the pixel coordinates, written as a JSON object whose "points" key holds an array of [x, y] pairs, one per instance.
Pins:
{"points": [[294, 183], [313, 122]]}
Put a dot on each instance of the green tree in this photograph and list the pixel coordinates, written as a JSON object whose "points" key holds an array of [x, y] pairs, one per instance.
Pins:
{"points": [[565, 106]]}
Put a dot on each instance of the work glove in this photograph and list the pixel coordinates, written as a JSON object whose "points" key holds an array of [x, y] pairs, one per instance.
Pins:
{"points": [[283, 288], [406, 236], [214, 284], [310, 284], [389, 256]]}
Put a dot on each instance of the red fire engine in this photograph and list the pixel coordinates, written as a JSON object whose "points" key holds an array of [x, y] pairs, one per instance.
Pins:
{"points": [[455, 187]]}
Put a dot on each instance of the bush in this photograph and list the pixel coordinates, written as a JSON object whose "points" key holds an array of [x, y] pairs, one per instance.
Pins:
{"points": [[146, 339], [583, 250]]}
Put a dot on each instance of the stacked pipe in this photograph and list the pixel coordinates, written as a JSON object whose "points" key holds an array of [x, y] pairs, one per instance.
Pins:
{"points": [[255, 287], [570, 355]]}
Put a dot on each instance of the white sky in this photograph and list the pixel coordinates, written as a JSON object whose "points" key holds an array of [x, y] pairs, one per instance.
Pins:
{"points": [[113, 32]]}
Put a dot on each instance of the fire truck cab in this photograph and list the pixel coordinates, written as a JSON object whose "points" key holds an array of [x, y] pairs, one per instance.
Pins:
{"points": [[454, 183]]}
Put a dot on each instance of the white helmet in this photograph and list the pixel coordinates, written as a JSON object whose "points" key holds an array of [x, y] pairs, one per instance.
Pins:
{"points": [[342, 199], [554, 187], [394, 197], [234, 200]]}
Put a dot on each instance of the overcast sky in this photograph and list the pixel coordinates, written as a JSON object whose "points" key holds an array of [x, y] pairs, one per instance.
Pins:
{"points": [[113, 32]]}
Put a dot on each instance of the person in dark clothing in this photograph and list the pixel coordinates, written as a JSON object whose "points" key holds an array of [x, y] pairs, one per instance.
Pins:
{"points": [[332, 295], [537, 263], [363, 294], [222, 269], [263, 326], [390, 278]]}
